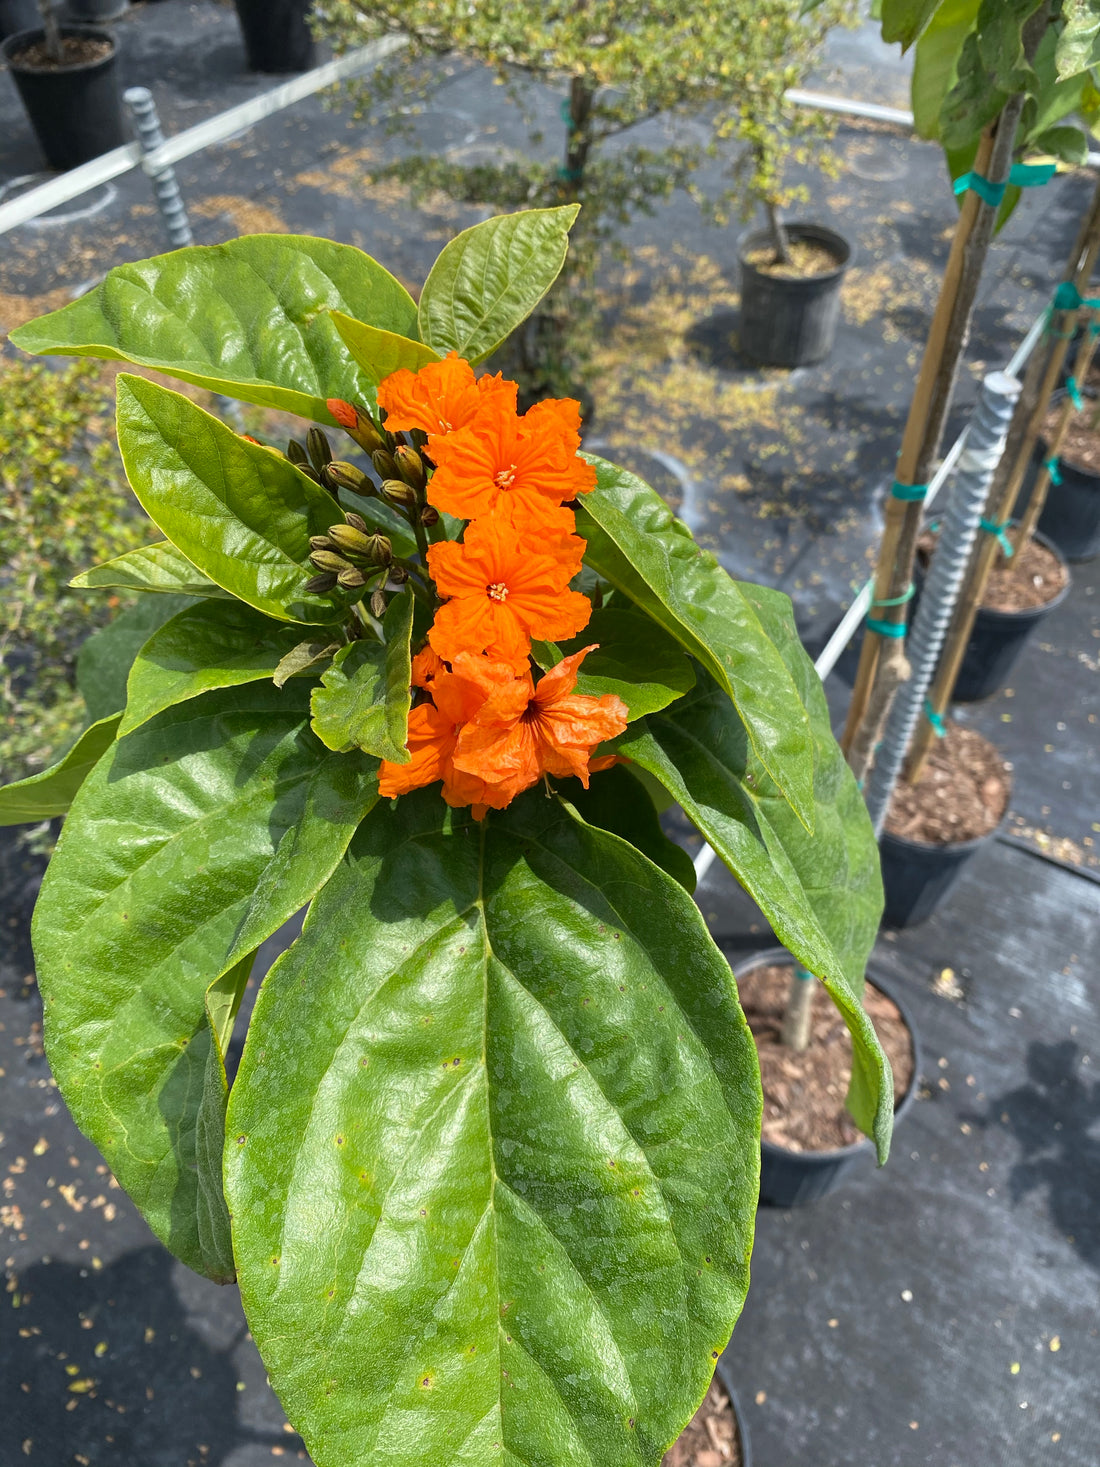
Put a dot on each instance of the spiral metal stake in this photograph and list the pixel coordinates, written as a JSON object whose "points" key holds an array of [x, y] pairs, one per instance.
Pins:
{"points": [[167, 190], [985, 441]]}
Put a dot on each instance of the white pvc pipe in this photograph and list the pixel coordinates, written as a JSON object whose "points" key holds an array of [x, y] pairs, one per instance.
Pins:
{"points": [[846, 107], [69, 185]]}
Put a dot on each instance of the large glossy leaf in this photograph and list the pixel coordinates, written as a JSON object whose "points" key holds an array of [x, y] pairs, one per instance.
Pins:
{"points": [[242, 513], [904, 20], [822, 894], [42, 796], [635, 659], [363, 699], [249, 318], [377, 353], [104, 661], [617, 800], [156, 567], [191, 841], [490, 278], [207, 646], [935, 60], [635, 543], [499, 1207]]}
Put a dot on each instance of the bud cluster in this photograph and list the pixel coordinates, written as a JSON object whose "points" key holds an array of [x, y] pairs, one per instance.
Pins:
{"points": [[348, 556]]}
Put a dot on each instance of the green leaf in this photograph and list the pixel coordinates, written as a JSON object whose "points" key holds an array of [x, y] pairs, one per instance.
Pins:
{"points": [[490, 278], [302, 657], [104, 661], [1055, 100], [821, 894], [207, 646], [618, 801], [904, 20], [242, 513], [935, 60], [157, 567], [363, 699], [377, 353], [1078, 46], [635, 543], [973, 102], [636, 660], [249, 318], [42, 796], [1001, 42], [190, 842], [1068, 144], [525, 1128]]}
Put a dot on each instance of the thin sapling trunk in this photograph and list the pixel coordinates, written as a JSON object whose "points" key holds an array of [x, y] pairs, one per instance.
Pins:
{"points": [[781, 244], [798, 1015], [53, 31]]}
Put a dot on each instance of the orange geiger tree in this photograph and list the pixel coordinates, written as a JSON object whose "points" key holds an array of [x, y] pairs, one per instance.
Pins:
{"points": [[487, 1172]]}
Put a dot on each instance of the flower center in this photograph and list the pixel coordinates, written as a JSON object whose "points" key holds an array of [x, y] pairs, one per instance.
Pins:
{"points": [[498, 591], [445, 426], [506, 477]]}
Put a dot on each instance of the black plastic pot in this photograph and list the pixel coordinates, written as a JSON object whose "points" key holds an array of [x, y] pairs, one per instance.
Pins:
{"points": [[95, 12], [793, 1178], [723, 1373], [1070, 519], [791, 322], [917, 876], [18, 15], [76, 111], [276, 34]]}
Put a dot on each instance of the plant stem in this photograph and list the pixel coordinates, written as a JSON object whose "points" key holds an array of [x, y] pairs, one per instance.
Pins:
{"points": [[798, 1015], [780, 241], [52, 29]]}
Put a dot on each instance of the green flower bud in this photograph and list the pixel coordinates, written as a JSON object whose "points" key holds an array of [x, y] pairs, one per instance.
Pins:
{"points": [[429, 516], [378, 604], [411, 467], [296, 453], [396, 491], [385, 465], [320, 454], [328, 560], [352, 578], [322, 583], [339, 475]]}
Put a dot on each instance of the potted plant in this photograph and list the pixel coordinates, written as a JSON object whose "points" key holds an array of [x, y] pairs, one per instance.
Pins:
{"points": [[1070, 514], [622, 66], [488, 1171], [277, 34], [67, 78]]}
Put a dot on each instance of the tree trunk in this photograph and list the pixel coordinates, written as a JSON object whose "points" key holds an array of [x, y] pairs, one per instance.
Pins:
{"points": [[780, 242], [578, 140], [53, 31], [798, 1016]]}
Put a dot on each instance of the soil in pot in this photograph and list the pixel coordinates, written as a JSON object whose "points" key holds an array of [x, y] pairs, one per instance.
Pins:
{"points": [[1030, 578], [804, 1091], [75, 51], [1081, 445], [962, 793], [808, 258], [711, 1438]]}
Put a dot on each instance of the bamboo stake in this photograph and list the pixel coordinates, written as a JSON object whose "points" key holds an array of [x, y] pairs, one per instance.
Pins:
{"points": [[927, 414], [1081, 366], [1002, 497]]}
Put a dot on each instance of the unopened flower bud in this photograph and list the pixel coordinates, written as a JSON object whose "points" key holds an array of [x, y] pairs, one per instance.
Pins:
{"points": [[322, 583], [398, 575], [328, 560], [320, 452], [378, 604], [429, 516], [352, 578], [320, 542], [356, 422], [396, 491], [410, 466], [339, 475], [296, 453], [373, 548], [385, 465], [356, 521]]}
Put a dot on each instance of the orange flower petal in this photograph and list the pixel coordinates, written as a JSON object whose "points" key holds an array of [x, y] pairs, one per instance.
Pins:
{"points": [[426, 666], [441, 396], [430, 741]]}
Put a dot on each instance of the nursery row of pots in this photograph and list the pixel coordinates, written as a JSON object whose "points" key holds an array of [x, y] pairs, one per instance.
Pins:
{"points": [[73, 95]]}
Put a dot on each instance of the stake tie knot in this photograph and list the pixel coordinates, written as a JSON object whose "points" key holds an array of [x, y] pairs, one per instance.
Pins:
{"points": [[935, 719], [1051, 466], [997, 530]]}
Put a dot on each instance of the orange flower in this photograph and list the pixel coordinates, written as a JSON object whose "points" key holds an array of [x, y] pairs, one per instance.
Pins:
{"points": [[523, 730], [503, 592], [426, 667], [527, 466], [442, 396]]}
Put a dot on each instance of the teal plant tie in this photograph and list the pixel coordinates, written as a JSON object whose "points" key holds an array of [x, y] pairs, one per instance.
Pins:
{"points": [[1031, 175], [935, 719], [567, 114], [803, 974], [1075, 394], [989, 193], [911, 493], [1067, 298], [886, 628], [991, 527], [1051, 466], [1021, 175], [897, 600], [570, 175]]}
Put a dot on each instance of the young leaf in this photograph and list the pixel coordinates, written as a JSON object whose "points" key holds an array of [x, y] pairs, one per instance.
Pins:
{"points": [[634, 542], [1079, 41], [635, 659], [935, 59], [104, 661], [363, 699], [249, 318], [302, 657], [973, 102], [156, 567], [904, 20], [490, 278], [525, 1126], [207, 646], [242, 513], [190, 842], [42, 796], [377, 353], [821, 894]]}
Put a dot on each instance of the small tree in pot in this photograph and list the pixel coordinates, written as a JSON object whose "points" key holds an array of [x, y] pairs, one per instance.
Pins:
{"points": [[621, 63], [488, 1171]]}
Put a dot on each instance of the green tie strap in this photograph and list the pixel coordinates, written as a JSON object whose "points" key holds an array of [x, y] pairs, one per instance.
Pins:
{"points": [[1022, 175], [991, 527], [1051, 466], [911, 493], [885, 628], [1075, 394], [935, 719]]}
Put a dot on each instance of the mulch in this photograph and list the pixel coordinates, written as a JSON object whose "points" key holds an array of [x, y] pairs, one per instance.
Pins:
{"points": [[710, 1438], [961, 795]]}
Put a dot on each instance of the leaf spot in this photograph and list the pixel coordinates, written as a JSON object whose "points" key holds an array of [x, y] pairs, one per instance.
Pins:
{"points": [[241, 1140], [427, 1383]]}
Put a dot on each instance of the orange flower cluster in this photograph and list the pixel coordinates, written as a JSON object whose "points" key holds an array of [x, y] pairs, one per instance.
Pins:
{"points": [[489, 731]]}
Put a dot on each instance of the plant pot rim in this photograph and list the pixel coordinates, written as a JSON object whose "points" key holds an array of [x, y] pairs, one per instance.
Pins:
{"points": [[724, 1373], [799, 229], [1031, 613], [11, 45], [1060, 396], [769, 955]]}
